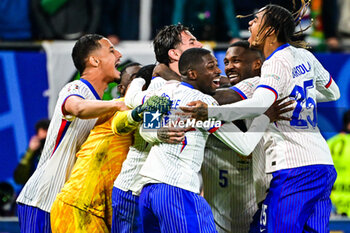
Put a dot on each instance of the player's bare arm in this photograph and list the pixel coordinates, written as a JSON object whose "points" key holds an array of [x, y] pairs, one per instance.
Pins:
{"points": [[197, 110], [86, 109], [226, 96]]}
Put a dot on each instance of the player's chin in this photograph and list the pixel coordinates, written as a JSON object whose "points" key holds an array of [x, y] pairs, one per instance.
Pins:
{"points": [[250, 41], [211, 90]]}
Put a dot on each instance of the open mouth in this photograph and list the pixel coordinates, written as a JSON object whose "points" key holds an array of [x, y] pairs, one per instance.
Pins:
{"points": [[234, 77], [216, 82]]}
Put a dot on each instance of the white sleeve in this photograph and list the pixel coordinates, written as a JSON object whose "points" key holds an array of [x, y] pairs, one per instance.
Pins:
{"points": [[243, 143], [149, 135], [134, 94], [262, 99], [327, 89], [330, 92]]}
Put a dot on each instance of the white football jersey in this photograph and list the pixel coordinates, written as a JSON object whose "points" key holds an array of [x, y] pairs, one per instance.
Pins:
{"points": [[295, 72], [262, 180], [65, 136], [234, 184], [129, 177], [179, 164], [228, 186]]}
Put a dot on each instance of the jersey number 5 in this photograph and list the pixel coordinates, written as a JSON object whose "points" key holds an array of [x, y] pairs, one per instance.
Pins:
{"points": [[300, 94], [223, 178]]}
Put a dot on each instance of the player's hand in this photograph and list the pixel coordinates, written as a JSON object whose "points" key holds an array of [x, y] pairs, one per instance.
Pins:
{"points": [[153, 104], [171, 134], [277, 109], [197, 110], [121, 106]]}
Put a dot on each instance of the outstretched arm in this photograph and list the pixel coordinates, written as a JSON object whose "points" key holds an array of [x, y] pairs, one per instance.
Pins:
{"points": [[244, 143], [262, 99], [86, 109]]}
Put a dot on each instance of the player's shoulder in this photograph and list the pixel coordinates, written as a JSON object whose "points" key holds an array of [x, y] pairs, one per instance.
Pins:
{"points": [[77, 85], [251, 82], [205, 98]]}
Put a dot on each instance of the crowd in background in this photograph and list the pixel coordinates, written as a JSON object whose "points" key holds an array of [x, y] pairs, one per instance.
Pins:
{"points": [[140, 19]]}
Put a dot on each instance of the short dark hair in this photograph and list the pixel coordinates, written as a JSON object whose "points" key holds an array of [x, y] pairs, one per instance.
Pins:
{"points": [[245, 44], [42, 124], [82, 48], [191, 58], [167, 38], [146, 73], [240, 43], [123, 70]]}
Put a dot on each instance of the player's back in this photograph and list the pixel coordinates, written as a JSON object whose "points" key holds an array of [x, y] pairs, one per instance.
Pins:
{"points": [[179, 164], [228, 186], [296, 73]]}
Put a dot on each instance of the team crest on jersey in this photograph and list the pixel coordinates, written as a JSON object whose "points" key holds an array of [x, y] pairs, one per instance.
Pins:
{"points": [[152, 120], [73, 87]]}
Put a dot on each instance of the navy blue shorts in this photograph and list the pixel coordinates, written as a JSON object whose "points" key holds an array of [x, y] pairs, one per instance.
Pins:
{"points": [[126, 215], [32, 219], [165, 208], [298, 200]]}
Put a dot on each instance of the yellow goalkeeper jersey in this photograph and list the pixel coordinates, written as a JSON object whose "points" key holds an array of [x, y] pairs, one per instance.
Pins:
{"points": [[99, 161]]}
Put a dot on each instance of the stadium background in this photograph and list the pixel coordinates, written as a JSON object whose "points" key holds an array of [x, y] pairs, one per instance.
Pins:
{"points": [[32, 73]]}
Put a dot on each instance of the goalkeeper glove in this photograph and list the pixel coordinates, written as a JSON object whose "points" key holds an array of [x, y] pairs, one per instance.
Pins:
{"points": [[154, 103]]}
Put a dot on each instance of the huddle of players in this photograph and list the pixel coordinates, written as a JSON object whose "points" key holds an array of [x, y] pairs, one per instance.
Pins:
{"points": [[158, 186]]}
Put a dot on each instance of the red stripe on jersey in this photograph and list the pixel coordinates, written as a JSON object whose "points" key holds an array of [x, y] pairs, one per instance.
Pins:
{"points": [[213, 129], [184, 143], [271, 89], [329, 82], [61, 132]]}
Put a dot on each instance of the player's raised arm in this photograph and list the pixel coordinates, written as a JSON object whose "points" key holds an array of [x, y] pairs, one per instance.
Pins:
{"points": [[86, 109], [134, 96]]}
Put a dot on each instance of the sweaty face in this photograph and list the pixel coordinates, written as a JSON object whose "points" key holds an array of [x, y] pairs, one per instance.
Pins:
{"points": [[208, 75], [238, 64], [254, 27], [109, 59]]}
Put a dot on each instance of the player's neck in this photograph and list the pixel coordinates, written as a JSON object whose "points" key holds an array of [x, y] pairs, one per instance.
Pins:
{"points": [[97, 82], [270, 47], [174, 66]]}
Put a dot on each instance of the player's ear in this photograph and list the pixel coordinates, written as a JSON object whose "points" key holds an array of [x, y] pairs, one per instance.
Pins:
{"points": [[173, 54], [191, 74], [257, 64], [93, 61]]}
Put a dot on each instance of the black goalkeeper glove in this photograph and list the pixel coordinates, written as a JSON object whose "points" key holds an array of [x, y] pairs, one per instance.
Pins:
{"points": [[153, 104]]}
